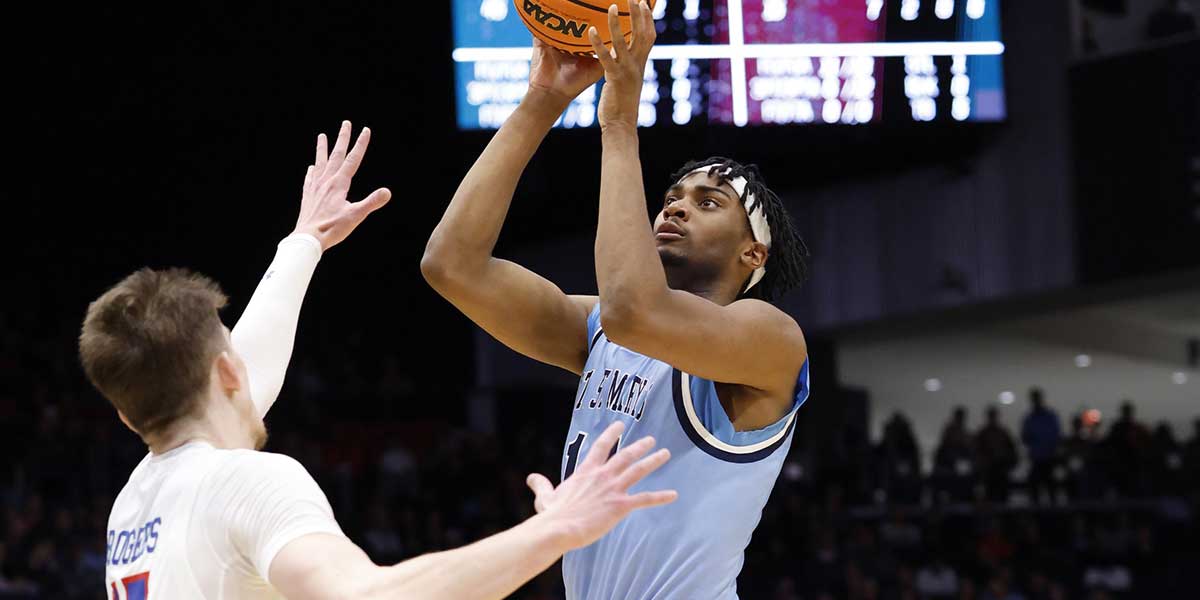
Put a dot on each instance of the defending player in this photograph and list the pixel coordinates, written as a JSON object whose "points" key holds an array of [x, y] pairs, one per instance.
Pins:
{"points": [[679, 344], [206, 516]]}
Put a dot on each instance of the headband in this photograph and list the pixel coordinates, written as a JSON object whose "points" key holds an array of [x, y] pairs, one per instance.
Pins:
{"points": [[758, 218]]}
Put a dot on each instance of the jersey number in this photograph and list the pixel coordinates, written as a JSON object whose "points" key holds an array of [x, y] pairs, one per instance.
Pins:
{"points": [[137, 587], [573, 452]]}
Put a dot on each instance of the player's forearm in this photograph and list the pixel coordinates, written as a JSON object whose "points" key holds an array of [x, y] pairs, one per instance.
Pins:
{"points": [[266, 332], [471, 225], [491, 568], [628, 272]]}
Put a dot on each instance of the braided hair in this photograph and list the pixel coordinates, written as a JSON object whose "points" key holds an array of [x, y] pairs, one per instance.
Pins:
{"points": [[788, 258]]}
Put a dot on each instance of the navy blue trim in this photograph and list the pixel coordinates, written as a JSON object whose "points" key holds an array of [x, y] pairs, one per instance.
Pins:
{"points": [[595, 338], [713, 451]]}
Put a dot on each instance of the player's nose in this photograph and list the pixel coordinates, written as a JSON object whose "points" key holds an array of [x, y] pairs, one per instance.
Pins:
{"points": [[677, 209]]}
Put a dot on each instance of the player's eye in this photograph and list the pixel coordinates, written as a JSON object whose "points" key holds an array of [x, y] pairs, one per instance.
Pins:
{"points": [[669, 200], [708, 203]]}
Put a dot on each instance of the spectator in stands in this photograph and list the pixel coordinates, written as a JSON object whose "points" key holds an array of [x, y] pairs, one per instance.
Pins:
{"points": [[996, 454], [381, 538], [1191, 458], [999, 587], [899, 461], [905, 587], [954, 461], [966, 590], [1079, 455], [1126, 450], [826, 570], [1041, 433], [1172, 18], [1166, 462], [937, 580], [1041, 587], [899, 534], [995, 548], [786, 589]]}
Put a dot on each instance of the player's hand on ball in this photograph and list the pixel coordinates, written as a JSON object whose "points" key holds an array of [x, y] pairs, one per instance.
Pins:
{"points": [[561, 76], [324, 211], [596, 496], [625, 65]]}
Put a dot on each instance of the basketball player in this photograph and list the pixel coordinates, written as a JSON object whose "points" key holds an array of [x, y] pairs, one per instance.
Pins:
{"points": [[207, 516], [681, 342]]}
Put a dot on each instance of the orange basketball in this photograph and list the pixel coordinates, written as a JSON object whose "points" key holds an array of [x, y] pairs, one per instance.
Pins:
{"points": [[564, 23]]}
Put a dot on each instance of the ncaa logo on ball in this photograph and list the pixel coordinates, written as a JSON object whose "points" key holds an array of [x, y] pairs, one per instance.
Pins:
{"points": [[553, 21]]}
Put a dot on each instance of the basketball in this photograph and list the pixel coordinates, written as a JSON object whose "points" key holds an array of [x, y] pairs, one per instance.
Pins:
{"points": [[564, 24]]}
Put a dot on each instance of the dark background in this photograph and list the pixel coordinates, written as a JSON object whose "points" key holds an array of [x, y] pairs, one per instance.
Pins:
{"points": [[178, 135]]}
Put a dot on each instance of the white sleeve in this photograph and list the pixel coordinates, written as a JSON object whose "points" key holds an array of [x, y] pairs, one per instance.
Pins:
{"points": [[263, 501], [266, 332]]}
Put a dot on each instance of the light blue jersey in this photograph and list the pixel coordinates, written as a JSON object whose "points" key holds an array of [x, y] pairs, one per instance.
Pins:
{"points": [[693, 548]]}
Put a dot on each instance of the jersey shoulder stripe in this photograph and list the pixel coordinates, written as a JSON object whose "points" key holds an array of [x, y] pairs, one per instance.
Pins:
{"points": [[706, 439]]}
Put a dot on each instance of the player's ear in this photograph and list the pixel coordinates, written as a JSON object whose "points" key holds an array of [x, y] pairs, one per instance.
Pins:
{"points": [[125, 420], [226, 371], [755, 255]]}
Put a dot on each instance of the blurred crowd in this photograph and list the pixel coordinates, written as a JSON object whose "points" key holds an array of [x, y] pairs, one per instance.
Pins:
{"points": [[1044, 463], [1080, 511]]}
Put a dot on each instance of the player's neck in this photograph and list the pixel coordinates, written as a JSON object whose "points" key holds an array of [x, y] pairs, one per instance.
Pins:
{"points": [[216, 427], [709, 288]]}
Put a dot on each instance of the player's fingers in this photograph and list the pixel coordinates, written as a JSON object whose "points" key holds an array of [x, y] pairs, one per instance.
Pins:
{"points": [[339, 149], [354, 157], [635, 24], [308, 177], [602, 53], [603, 446], [648, 33], [621, 460], [640, 469], [322, 154], [616, 33], [648, 499], [374, 202], [541, 487]]}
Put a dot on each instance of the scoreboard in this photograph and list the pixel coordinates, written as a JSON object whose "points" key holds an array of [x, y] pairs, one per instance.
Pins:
{"points": [[763, 63]]}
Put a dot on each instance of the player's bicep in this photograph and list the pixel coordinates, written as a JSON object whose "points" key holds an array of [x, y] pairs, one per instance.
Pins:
{"points": [[319, 566], [525, 312], [748, 342]]}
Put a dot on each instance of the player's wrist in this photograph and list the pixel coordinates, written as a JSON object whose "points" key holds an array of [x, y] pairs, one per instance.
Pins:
{"points": [[310, 235], [544, 102], [553, 533], [619, 127]]}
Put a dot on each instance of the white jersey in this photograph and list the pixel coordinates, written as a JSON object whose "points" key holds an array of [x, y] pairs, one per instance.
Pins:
{"points": [[198, 523]]}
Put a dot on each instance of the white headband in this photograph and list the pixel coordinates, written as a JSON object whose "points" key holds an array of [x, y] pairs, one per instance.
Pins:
{"points": [[758, 218]]}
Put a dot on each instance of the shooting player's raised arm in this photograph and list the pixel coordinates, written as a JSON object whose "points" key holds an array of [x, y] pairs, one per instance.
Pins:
{"points": [[518, 307]]}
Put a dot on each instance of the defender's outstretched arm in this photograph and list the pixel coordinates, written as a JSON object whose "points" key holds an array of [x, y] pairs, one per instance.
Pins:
{"points": [[576, 513], [266, 332]]}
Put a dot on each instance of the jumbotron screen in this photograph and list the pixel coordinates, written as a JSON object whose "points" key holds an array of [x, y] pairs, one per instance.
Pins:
{"points": [[763, 63]]}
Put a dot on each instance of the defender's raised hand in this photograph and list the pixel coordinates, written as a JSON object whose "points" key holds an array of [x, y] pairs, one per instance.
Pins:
{"points": [[596, 496], [625, 64], [324, 211]]}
